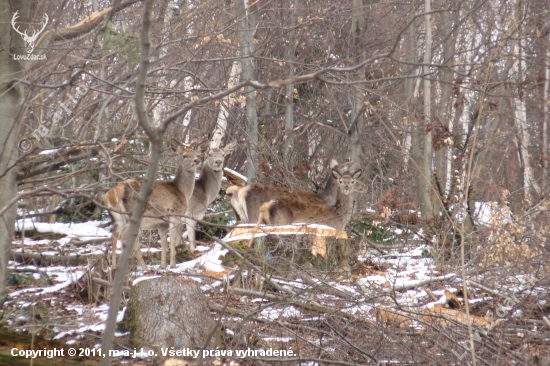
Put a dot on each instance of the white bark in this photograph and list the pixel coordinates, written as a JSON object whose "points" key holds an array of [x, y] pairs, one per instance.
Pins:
{"points": [[424, 190], [520, 113], [225, 105]]}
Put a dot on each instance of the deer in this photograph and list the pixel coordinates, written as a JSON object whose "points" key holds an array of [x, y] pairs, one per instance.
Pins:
{"points": [[287, 210], [206, 189], [167, 205], [246, 201], [29, 40]]}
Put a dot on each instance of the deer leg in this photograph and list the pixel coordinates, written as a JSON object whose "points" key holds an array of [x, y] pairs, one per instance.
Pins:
{"points": [[191, 234], [163, 232], [138, 255], [114, 240], [175, 237]]}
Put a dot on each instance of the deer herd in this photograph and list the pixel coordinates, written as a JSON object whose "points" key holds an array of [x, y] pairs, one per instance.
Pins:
{"points": [[185, 199]]}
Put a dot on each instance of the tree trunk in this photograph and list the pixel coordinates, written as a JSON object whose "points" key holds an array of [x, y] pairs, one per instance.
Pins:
{"points": [[288, 141], [246, 30], [155, 138], [11, 103], [444, 155], [520, 112], [411, 137], [357, 94], [225, 106], [546, 117], [425, 163], [168, 312]]}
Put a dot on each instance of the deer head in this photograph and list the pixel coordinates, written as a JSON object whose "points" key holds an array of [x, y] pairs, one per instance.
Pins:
{"points": [[347, 180], [216, 156], [186, 155], [29, 40]]}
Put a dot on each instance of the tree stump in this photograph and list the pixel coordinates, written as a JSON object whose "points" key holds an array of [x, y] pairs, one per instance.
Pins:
{"points": [[168, 312], [278, 247]]}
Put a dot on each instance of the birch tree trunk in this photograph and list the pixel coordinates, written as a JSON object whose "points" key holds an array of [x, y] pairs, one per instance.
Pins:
{"points": [[444, 155], [411, 137], [225, 105], [424, 160], [246, 30], [520, 110], [11, 108]]}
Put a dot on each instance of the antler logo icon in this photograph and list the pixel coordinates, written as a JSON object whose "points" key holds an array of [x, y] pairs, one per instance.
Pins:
{"points": [[29, 40]]}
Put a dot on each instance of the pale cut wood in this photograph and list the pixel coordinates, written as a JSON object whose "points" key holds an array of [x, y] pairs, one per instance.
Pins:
{"points": [[319, 233], [449, 317]]}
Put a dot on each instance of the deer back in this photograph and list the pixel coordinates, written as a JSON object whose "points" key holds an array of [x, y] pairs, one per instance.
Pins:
{"points": [[288, 211], [246, 201]]}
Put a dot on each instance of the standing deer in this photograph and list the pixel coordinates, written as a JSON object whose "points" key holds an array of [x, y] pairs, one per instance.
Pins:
{"points": [[167, 203], [287, 210], [246, 201], [206, 189]]}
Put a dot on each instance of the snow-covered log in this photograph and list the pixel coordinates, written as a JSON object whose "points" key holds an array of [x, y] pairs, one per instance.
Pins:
{"points": [[324, 247]]}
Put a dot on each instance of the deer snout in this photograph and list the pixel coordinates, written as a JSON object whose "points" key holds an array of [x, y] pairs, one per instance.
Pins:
{"points": [[197, 161]]}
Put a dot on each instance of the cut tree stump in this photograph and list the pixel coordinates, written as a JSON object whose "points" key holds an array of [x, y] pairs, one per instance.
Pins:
{"points": [[168, 312], [276, 247]]}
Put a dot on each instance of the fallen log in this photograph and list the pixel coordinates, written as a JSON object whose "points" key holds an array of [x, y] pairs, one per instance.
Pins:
{"points": [[278, 246], [45, 260]]}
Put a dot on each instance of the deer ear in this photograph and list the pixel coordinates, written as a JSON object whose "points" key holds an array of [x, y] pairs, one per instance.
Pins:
{"points": [[228, 149], [175, 145], [336, 174], [358, 173]]}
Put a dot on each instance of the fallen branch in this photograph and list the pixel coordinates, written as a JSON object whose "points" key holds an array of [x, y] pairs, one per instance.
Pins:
{"points": [[413, 284], [40, 259], [302, 303]]}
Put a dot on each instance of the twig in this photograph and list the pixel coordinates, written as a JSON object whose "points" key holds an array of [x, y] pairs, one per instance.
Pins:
{"points": [[107, 283]]}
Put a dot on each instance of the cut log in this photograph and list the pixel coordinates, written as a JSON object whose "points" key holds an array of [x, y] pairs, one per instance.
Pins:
{"points": [[166, 312], [324, 247]]}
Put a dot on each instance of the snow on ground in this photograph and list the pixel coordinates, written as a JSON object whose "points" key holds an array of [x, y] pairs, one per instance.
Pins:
{"points": [[404, 267], [80, 231], [404, 272]]}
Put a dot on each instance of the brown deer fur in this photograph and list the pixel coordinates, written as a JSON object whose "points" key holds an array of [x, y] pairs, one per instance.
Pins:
{"points": [[289, 211], [206, 189], [246, 201], [168, 201]]}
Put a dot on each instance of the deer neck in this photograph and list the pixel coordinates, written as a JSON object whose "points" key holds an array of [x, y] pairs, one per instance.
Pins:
{"points": [[210, 181], [344, 205], [185, 180], [330, 193]]}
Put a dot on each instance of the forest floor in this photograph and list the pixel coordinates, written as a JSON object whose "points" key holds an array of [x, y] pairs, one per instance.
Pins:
{"points": [[396, 286]]}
